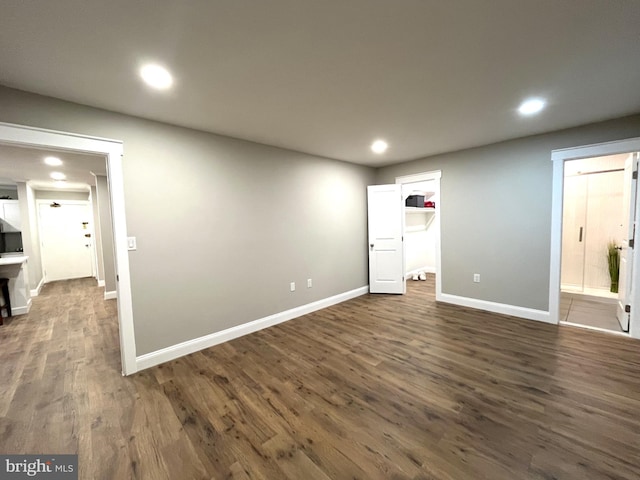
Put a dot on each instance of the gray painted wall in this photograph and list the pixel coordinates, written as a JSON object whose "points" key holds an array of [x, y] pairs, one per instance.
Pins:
{"points": [[222, 225], [26, 216], [97, 235], [61, 195], [9, 192], [496, 212], [30, 233], [106, 233], [36, 273]]}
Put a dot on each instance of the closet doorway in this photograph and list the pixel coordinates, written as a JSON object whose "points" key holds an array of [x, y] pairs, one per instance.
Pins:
{"points": [[421, 228]]}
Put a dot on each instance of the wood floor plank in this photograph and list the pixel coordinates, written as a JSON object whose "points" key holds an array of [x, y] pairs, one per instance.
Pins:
{"points": [[379, 387]]}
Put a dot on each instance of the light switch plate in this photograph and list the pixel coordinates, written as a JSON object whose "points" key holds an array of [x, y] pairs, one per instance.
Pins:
{"points": [[131, 243]]}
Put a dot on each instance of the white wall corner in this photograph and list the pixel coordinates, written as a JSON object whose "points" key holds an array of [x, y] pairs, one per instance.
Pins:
{"points": [[110, 295], [21, 310], [494, 307], [36, 291], [191, 346]]}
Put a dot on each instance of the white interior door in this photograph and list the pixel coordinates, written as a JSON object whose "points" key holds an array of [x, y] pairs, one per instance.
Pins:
{"points": [[386, 256], [626, 253], [66, 250]]}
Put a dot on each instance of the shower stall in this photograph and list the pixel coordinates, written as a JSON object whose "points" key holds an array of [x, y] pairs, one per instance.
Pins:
{"points": [[593, 218]]}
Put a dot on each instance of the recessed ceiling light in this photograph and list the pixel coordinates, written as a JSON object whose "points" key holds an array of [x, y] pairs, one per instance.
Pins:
{"points": [[53, 161], [379, 146], [531, 106], [58, 175], [156, 76]]}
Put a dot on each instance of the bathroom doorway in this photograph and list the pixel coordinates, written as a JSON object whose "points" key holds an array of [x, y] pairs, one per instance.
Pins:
{"points": [[595, 232]]}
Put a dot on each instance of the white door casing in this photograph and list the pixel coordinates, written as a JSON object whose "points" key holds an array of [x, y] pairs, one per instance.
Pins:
{"points": [[66, 251], [386, 258], [629, 198]]}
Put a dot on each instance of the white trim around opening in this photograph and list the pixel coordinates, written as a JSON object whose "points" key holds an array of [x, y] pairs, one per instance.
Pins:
{"points": [[113, 151], [558, 157]]}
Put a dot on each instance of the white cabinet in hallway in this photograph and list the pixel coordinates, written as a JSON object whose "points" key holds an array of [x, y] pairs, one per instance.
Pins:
{"points": [[14, 269], [10, 213]]}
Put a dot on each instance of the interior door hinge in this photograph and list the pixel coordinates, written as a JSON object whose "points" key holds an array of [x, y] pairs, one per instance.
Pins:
{"points": [[635, 175], [627, 308], [631, 243]]}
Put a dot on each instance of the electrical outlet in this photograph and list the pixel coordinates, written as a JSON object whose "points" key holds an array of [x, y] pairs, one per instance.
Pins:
{"points": [[309, 283], [476, 278], [293, 286]]}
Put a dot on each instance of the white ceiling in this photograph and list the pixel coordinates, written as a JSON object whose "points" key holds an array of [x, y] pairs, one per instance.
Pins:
{"points": [[20, 164], [327, 77]]}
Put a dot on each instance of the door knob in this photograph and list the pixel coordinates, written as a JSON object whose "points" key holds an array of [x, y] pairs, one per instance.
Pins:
{"points": [[371, 245]]}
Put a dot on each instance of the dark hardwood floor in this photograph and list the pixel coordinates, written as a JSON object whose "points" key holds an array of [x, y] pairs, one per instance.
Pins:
{"points": [[380, 387]]}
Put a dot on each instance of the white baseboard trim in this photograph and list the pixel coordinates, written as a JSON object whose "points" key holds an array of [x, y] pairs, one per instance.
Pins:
{"points": [[100, 283], [110, 295], [21, 310], [514, 311], [190, 346], [418, 270], [36, 291]]}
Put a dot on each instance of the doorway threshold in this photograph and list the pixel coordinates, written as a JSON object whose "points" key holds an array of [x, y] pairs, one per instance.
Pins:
{"points": [[597, 329]]}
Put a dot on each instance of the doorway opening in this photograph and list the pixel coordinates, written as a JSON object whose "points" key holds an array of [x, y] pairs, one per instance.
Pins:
{"points": [[111, 150], [387, 232], [421, 229], [594, 272], [595, 223]]}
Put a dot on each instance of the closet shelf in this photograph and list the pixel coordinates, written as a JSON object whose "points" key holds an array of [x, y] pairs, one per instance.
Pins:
{"points": [[426, 195], [419, 210]]}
